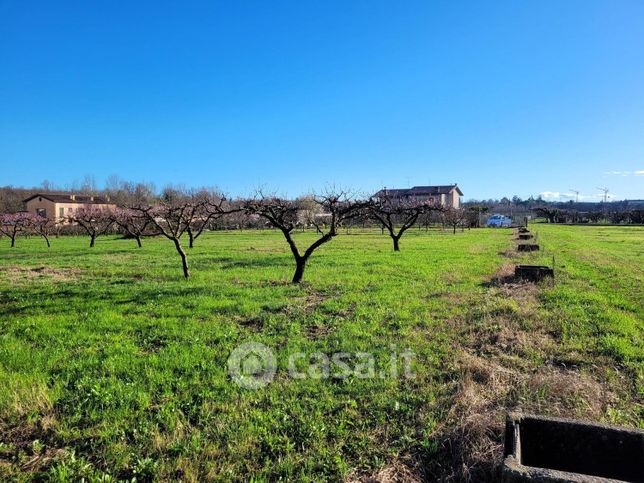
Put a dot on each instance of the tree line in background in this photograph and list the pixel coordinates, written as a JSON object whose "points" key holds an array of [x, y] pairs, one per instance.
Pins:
{"points": [[177, 214], [14, 224], [552, 214], [582, 212]]}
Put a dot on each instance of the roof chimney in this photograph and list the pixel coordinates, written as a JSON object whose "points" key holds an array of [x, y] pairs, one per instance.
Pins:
{"points": [[72, 197]]}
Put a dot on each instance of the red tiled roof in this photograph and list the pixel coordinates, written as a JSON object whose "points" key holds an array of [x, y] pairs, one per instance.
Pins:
{"points": [[66, 198], [420, 190]]}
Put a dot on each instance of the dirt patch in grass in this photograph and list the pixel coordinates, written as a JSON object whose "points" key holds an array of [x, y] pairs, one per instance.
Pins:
{"points": [[315, 332], [509, 344], [400, 470], [256, 324], [312, 300], [308, 303], [16, 274], [504, 283], [277, 283], [29, 447]]}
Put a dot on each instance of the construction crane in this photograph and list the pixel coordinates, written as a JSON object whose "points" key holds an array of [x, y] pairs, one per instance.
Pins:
{"points": [[576, 195], [605, 191]]}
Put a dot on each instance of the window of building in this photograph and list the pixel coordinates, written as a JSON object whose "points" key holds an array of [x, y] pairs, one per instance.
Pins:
{"points": [[61, 212], [41, 212]]}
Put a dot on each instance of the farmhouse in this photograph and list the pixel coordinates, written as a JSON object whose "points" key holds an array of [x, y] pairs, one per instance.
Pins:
{"points": [[58, 206], [448, 196]]}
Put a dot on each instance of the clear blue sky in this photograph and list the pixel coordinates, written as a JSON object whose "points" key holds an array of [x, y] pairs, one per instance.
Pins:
{"points": [[510, 97]]}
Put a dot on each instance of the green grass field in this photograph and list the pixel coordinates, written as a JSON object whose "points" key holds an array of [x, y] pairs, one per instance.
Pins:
{"points": [[112, 366]]}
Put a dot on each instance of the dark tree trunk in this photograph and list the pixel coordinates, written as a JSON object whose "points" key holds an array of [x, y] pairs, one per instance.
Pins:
{"points": [[191, 239], [396, 243], [47, 240], [184, 258], [454, 232], [92, 240], [138, 240], [13, 241], [300, 264]]}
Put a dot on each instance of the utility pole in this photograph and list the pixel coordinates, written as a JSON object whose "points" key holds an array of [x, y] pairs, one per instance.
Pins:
{"points": [[576, 195], [605, 190]]}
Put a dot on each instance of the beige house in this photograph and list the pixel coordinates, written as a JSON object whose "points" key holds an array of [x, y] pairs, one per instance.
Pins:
{"points": [[448, 196], [57, 207]]}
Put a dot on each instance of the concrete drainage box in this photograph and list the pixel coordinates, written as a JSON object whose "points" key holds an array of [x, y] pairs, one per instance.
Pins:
{"points": [[563, 450], [533, 273], [528, 247], [525, 236]]}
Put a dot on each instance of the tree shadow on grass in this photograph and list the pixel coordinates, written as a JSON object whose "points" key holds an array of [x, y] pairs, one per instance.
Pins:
{"points": [[231, 263]]}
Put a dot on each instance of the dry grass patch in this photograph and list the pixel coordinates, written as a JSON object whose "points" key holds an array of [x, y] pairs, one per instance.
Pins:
{"points": [[508, 339], [29, 447], [477, 249], [471, 434], [500, 368], [315, 332], [306, 305], [17, 274], [400, 470]]}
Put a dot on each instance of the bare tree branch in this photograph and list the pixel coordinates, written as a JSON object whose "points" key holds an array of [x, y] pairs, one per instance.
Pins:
{"points": [[286, 215], [398, 215]]}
